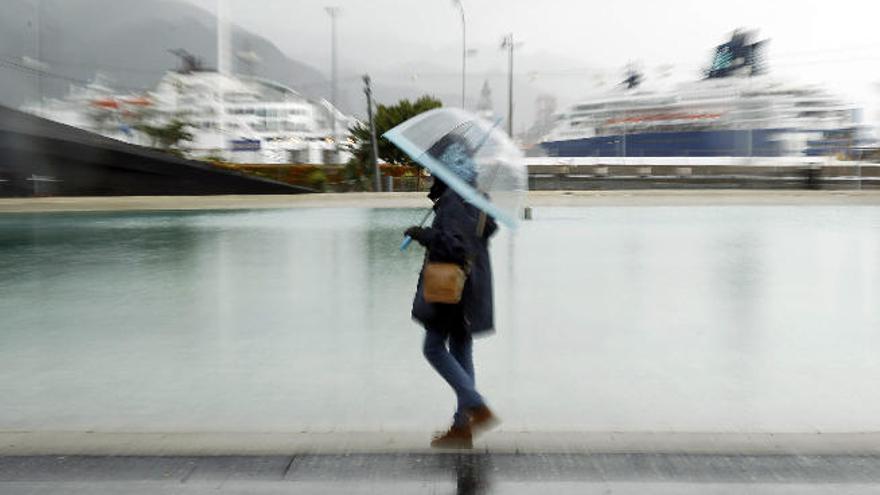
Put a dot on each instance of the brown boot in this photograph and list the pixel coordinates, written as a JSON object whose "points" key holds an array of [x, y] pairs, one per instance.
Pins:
{"points": [[458, 437], [483, 419]]}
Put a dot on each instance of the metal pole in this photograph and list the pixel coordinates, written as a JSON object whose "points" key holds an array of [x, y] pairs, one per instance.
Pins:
{"points": [[224, 69], [333, 12], [751, 143], [751, 123], [38, 20], [859, 168], [224, 66], [463, 52], [368, 90], [510, 88], [508, 43]]}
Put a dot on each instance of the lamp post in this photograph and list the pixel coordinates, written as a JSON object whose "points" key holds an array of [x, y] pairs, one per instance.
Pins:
{"points": [[508, 44], [460, 6], [224, 68], [38, 36], [374, 146], [333, 12]]}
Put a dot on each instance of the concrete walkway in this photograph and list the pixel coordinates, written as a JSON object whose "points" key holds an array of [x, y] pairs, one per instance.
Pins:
{"points": [[442, 473], [391, 463], [39, 443]]}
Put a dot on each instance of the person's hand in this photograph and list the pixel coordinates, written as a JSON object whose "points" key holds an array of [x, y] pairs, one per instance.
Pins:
{"points": [[416, 232]]}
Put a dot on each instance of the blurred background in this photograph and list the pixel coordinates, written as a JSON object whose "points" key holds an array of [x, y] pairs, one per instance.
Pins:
{"points": [[165, 269], [117, 68]]}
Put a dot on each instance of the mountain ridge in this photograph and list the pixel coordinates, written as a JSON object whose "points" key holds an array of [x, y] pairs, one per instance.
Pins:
{"points": [[128, 41]]}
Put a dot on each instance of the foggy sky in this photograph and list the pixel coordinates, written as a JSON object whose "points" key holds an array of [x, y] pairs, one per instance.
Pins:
{"points": [[569, 45]]}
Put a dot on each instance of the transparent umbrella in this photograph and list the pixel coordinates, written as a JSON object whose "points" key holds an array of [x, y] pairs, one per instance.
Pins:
{"points": [[471, 155]]}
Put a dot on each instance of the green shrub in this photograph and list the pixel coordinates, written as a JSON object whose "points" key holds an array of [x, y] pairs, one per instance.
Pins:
{"points": [[317, 179]]}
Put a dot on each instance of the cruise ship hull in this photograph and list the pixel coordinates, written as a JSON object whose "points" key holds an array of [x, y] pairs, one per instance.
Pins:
{"points": [[40, 157], [717, 143]]}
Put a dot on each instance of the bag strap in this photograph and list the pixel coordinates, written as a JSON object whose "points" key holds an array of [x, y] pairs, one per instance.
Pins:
{"points": [[481, 228], [481, 224]]}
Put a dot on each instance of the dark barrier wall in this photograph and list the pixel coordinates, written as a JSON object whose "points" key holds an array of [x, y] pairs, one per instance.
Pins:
{"points": [[41, 157]]}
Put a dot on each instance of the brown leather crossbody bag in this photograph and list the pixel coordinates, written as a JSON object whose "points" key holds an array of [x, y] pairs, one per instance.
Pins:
{"points": [[443, 282]]}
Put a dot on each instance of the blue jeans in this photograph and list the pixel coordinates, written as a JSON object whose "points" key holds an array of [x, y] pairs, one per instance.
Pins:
{"points": [[456, 366]]}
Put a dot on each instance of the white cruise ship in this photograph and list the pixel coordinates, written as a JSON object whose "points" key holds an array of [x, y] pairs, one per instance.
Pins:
{"points": [[735, 111], [237, 118]]}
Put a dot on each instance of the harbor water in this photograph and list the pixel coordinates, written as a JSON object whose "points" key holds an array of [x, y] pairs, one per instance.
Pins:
{"points": [[733, 318]]}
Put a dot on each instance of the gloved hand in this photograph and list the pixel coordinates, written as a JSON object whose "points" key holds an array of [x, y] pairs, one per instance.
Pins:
{"points": [[417, 233]]}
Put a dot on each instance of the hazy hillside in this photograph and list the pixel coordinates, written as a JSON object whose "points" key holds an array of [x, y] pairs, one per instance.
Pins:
{"points": [[128, 40]]}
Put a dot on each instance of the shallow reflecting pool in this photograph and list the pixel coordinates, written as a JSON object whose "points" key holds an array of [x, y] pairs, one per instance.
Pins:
{"points": [[625, 318]]}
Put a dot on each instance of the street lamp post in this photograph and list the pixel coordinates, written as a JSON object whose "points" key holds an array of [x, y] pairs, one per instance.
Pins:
{"points": [[224, 68], [333, 12], [460, 6], [38, 20], [508, 44], [374, 144]]}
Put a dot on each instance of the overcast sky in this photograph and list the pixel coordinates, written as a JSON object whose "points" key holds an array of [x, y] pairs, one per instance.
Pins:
{"points": [[836, 43]]}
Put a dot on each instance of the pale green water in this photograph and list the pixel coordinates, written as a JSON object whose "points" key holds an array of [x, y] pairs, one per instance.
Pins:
{"points": [[728, 318]]}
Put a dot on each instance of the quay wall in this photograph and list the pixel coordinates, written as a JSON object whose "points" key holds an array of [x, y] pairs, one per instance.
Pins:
{"points": [[686, 175]]}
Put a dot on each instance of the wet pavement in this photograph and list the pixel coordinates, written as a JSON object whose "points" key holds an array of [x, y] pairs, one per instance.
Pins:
{"points": [[453, 473]]}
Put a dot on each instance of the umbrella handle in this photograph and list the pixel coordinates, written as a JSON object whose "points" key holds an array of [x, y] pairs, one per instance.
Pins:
{"points": [[407, 240]]}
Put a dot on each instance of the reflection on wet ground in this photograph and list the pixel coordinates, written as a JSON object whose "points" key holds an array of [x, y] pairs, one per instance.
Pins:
{"points": [[720, 319]]}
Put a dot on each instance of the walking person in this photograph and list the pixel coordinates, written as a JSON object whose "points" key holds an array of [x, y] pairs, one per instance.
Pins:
{"points": [[458, 237]]}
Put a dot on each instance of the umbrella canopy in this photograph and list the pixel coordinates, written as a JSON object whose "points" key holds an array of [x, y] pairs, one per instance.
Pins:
{"points": [[471, 155]]}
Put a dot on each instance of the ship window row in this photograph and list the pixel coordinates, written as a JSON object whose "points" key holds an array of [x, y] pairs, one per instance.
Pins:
{"points": [[274, 126], [238, 97], [210, 125], [267, 112], [261, 127]]}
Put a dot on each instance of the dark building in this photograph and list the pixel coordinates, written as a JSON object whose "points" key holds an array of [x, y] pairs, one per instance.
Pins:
{"points": [[42, 157]]}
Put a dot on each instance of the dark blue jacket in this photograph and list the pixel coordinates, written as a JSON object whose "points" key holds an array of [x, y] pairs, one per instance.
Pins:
{"points": [[453, 237]]}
